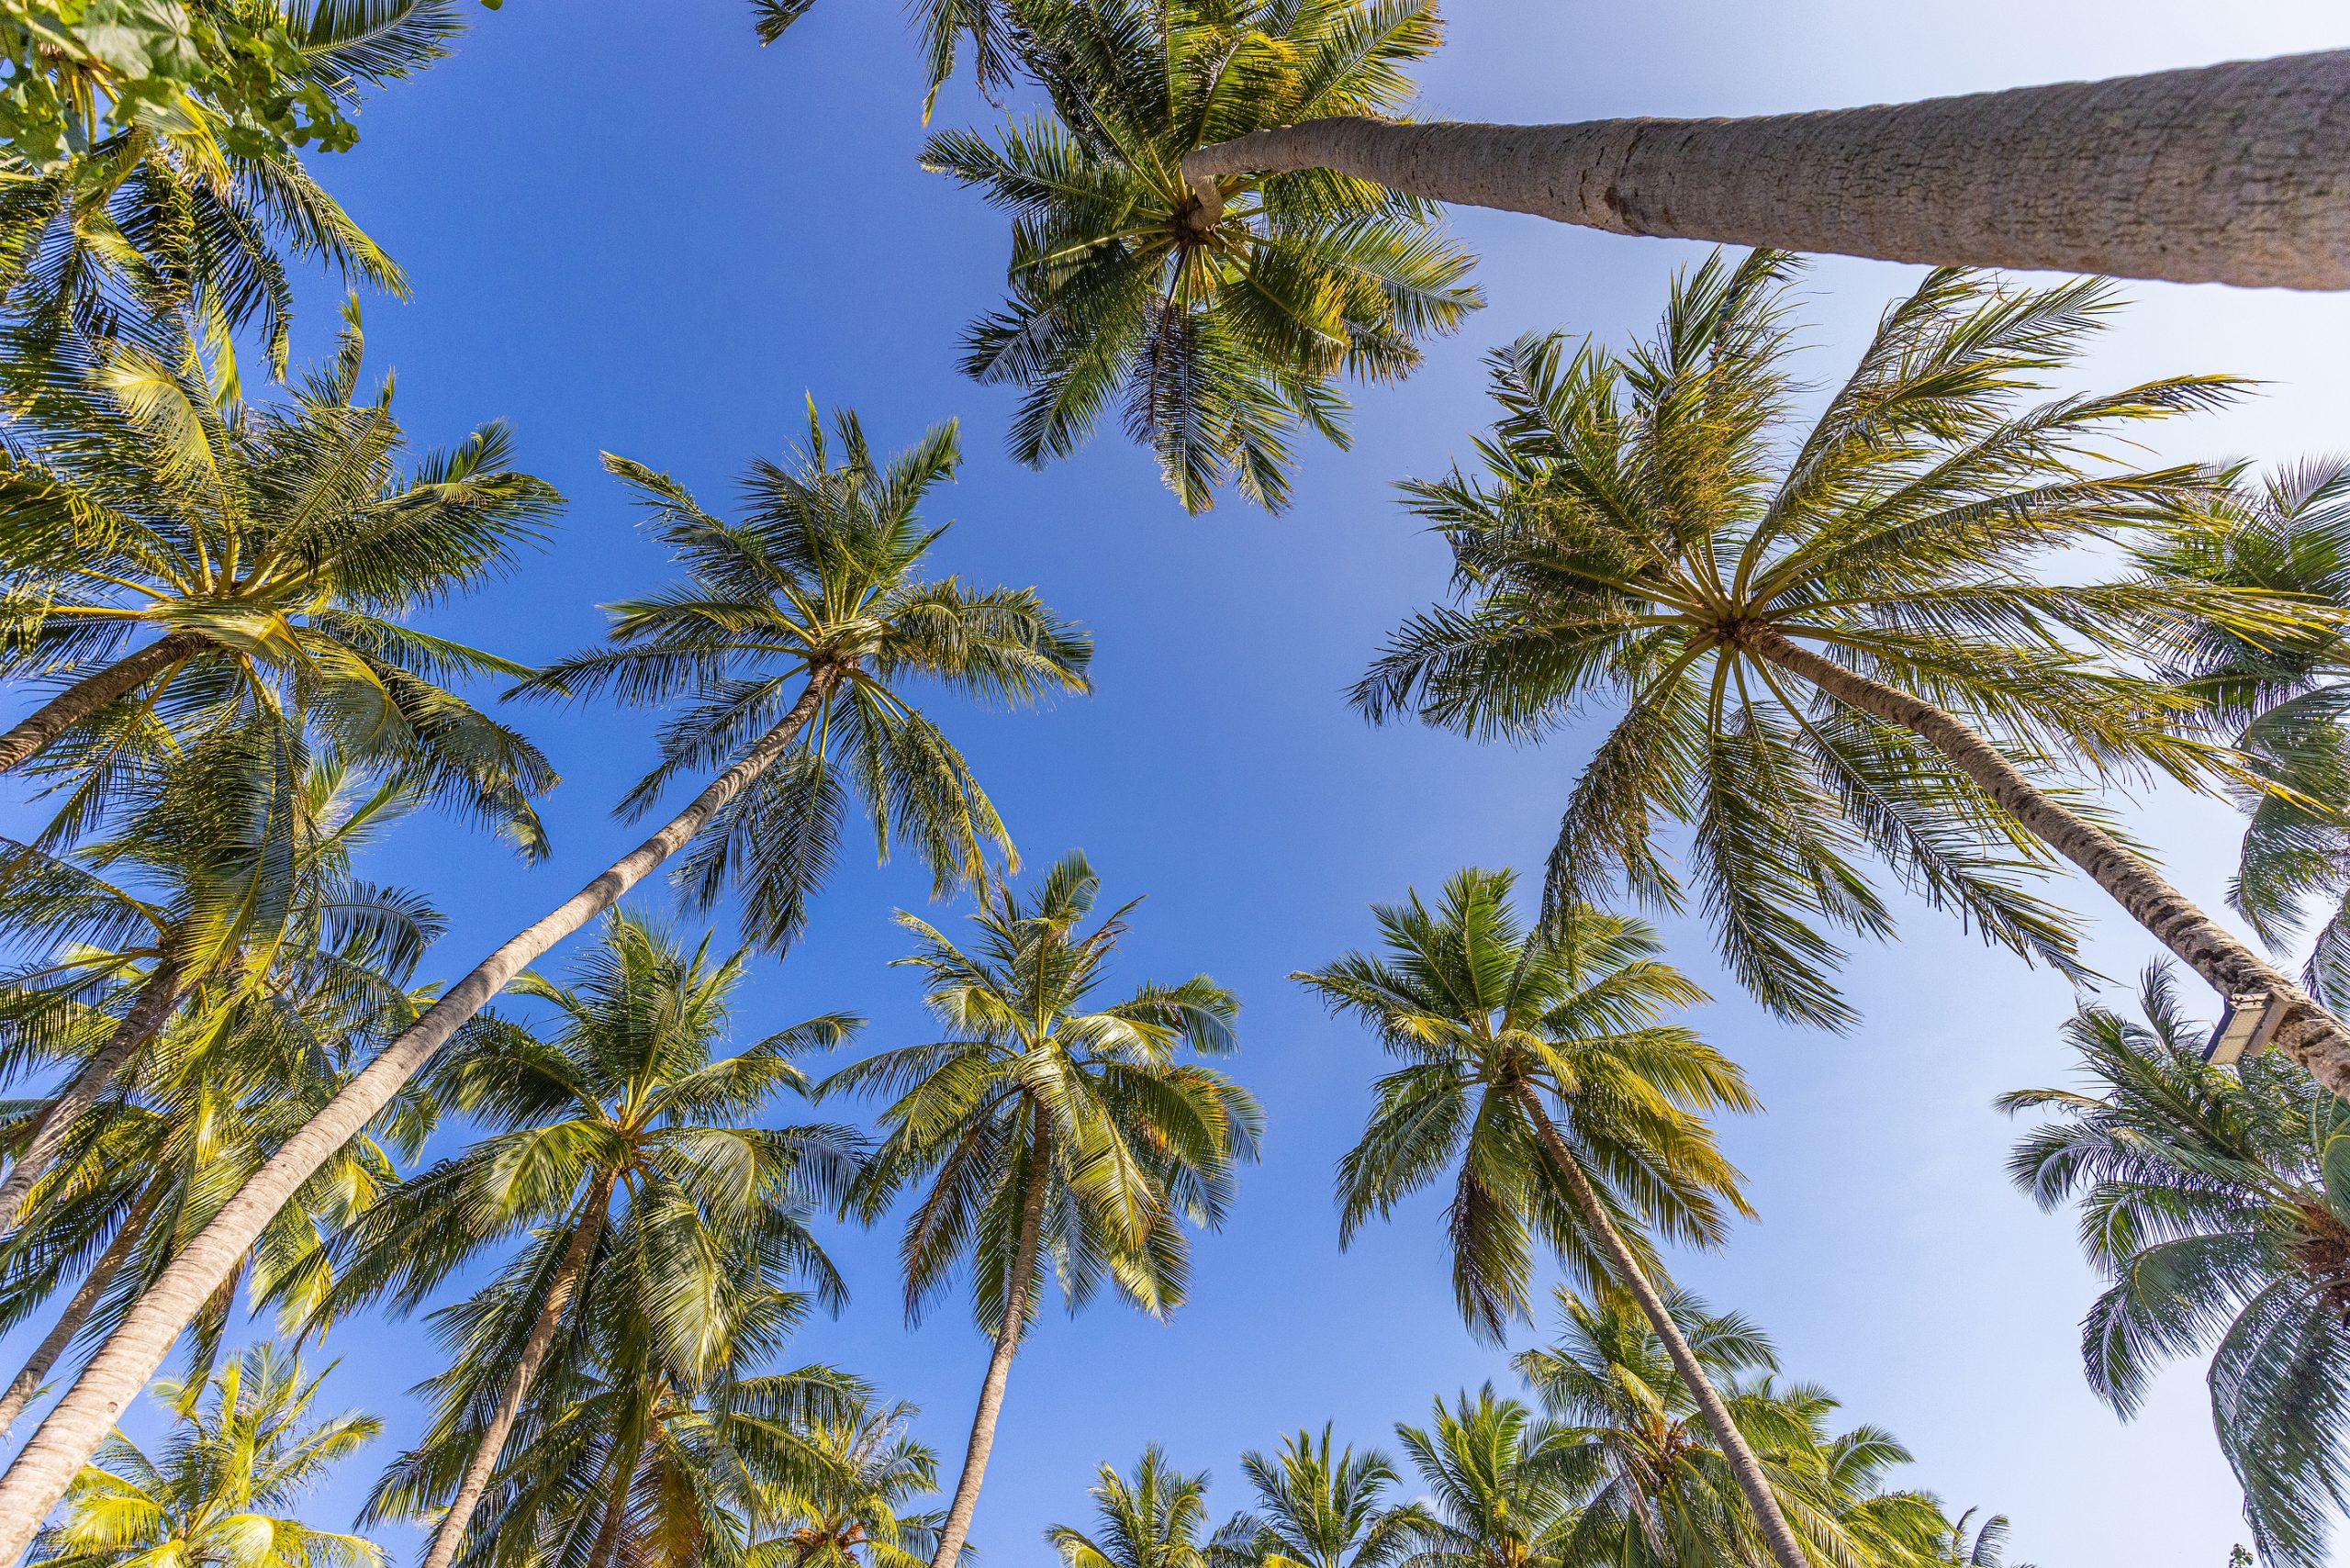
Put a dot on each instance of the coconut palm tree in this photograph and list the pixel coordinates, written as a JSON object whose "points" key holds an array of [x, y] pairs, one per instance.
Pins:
{"points": [[2281, 702], [1986, 1547], [1154, 1519], [270, 551], [1318, 1509], [1052, 1124], [845, 1506], [621, 1134], [242, 1451], [821, 588], [1543, 1064], [1843, 648], [1501, 1491], [1219, 341], [226, 887], [210, 1099], [2209, 1199]]}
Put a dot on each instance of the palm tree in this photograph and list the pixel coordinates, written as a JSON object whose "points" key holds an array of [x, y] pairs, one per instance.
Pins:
{"points": [[2209, 1199], [846, 1506], [1051, 1124], [1500, 1493], [1837, 649], [213, 1097], [1221, 340], [2032, 177], [1985, 1548], [622, 1133], [1497, 1026], [821, 587], [227, 886], [2282, 703], [244, 1450], [271, 550], [1318, 1509], [1154, 1519]]}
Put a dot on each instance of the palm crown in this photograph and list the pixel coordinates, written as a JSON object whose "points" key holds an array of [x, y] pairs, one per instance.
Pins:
{"points": [[1483, 1011], [272, 550], [1639, 535], [1220, 340], [819, 590], [1497, 1494], [2213, 1202], [1317, 1507], [1046, 1093]]}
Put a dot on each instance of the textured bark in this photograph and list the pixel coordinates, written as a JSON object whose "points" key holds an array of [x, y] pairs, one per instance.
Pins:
{"points": [[92, 692], [2228, 173], [1008, 1335], [147, 1013], [484, 1462], [74, 1428], [2307, 1032], [1776, 1532], [77, 1312]]}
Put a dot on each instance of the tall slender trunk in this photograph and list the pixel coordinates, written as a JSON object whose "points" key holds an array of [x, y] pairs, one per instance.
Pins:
{"points": [[2308, 1033], [92, 692], [2229, 173], [484, 1462], [1776, 1532], [148, 1011], [81, 1421], [77, 1312], [1008, 1335]]}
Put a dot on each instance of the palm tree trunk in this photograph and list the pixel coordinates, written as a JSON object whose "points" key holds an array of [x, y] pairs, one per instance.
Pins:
{"points": [[79, 1421], [77, 1312], [1008, 1334], [1776, 1532], [2230, 174], [148, 1012], [2308, 1033], [92, 692], [484, 1462]]}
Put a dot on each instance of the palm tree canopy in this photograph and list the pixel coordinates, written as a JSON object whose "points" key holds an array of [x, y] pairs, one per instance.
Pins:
{"points": [[1500, 1491], [1156, 1518], [1219, 343], [2214, 1202], [1482, 1010], [1642, 522], [287, 542], [243, 1452], [844, 1503], [1318, 1508], [821, 581], [2281, 702], [1042, 1076]]}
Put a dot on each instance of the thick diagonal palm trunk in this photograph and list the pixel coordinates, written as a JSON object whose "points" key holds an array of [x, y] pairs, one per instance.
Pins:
{"points": [[1008, 1334], [92, 692], [30, 1376], [484, 1462], [79, 1421], [2229, 173], [148, 1011], [2308, 1033], [1785, 1551]]}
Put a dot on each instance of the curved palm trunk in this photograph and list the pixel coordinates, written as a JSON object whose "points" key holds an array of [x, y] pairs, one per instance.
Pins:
{"points": [[2230, 174], [484, 1462], [1776, 1532], [147, 1013], [2308, 1033], [92, 692], [1008, 1334], [74, 1428], [77, 1312]]}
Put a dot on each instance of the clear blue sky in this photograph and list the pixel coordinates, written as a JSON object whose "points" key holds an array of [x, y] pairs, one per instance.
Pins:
{"points": [[630, 228]]}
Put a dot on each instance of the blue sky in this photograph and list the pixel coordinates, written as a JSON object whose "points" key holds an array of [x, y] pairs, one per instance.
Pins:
{"points": [[630, 228]]}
